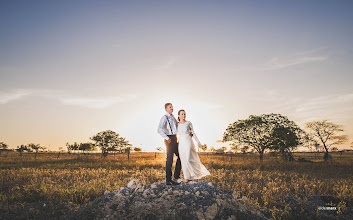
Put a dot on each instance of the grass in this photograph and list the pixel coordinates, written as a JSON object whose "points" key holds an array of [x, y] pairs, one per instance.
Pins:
{"points": [[51, 187]]}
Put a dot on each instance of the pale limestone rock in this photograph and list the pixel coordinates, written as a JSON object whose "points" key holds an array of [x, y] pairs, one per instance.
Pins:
{"points": [[218, 201], [211, 211], [199, 214], [133, 184], [232, 217]]}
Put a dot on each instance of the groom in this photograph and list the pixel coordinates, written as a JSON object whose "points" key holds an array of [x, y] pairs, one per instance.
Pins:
{"points": [[167, 128]]}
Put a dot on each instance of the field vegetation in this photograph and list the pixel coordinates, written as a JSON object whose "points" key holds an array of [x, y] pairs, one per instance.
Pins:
{"points": [[52, 186]]}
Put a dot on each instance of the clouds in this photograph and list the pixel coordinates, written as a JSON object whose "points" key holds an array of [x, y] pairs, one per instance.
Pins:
{"points": [[6, 97], [333, 107], [294, 59], [99, 103], [64, 98], [302, 57], [279, 63]]}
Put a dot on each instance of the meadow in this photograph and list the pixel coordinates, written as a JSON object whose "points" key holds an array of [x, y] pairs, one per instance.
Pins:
{"points": [[52, 187]]}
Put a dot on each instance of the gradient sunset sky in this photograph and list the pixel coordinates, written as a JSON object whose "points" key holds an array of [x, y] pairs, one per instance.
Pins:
{"points": [[70, 69]]}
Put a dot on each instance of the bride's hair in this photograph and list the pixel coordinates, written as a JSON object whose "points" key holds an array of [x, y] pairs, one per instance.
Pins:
{"points": [[181, 110]]}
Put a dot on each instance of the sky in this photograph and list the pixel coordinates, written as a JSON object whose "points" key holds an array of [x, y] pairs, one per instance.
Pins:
{"points": [[70, 69]]}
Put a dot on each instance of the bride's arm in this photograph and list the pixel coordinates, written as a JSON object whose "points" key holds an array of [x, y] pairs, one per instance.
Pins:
{"points": [[193, 134]]}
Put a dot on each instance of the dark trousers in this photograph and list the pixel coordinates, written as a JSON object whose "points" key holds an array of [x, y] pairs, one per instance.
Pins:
{"points": [[172, 148]]}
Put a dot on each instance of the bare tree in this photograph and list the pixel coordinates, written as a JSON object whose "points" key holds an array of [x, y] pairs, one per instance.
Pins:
{"points": [[325, 133]]}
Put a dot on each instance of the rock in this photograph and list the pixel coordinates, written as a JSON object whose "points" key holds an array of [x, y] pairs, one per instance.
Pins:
{"points": [[133, 184], [211, 211], [106, 192], [200, 200], [199, 214], [232, 217], [218, 202]]}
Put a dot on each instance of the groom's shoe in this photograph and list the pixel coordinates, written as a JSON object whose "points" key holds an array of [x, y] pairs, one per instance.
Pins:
{"points": [[178, 180], [171, 182]]}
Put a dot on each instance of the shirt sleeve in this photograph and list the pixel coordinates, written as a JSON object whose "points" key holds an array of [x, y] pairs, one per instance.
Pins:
{"points": [[160, 128], [176, 123], [193, 133]]}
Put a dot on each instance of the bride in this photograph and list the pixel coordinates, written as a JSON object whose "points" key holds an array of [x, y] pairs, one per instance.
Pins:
{"points": [[190, 161]]}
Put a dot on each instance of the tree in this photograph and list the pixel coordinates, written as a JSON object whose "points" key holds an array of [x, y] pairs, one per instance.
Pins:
{"points": [[86, 147], [287, 138], [160, 149], [3, 146], [110, 140], [325, 133], [69, 148], [127, 150], [264, 132], [244, 149], [73, 147], [123, 145], [137, 149], [223, 148], [35, 147], [234, 148], [334, 149], [22, 148]]}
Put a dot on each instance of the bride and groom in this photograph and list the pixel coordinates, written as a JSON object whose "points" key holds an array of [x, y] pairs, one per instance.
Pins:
{"points": [[186, 153]]}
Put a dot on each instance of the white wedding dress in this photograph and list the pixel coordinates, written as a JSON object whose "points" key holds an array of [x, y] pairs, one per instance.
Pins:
{"points": [[190, 161]]}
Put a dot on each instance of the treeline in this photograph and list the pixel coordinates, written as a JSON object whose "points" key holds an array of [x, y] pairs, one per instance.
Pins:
{"points": [[107, 141], [258, 133]]}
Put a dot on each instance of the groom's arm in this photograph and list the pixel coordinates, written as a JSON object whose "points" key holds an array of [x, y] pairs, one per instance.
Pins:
{"points": [[161, 130]]}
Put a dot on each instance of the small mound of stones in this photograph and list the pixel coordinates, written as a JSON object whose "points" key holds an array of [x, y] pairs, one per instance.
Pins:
{"points": [[192, 200]]}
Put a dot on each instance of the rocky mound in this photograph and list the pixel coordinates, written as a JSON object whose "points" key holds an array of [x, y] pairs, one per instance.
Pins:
{"points": [[193, 200]]}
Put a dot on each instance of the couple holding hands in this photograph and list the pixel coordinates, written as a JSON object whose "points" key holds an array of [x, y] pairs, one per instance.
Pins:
{"points": [[182, 146]]}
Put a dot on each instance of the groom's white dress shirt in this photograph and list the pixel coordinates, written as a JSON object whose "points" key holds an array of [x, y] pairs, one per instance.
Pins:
{"points": [[168, 126]]}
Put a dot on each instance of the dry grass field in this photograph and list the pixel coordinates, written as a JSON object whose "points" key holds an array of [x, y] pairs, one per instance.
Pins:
{"points": [[53, 187]]}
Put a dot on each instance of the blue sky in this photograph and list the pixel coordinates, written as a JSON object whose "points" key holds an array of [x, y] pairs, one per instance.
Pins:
{"points": [[70, 69]]}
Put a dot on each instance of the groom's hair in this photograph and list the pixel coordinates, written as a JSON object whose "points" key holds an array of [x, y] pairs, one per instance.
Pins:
{"points": [[166, 105]]}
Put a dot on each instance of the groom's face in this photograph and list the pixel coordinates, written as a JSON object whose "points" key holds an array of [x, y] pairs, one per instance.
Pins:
{"points": [[169, 109]]}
